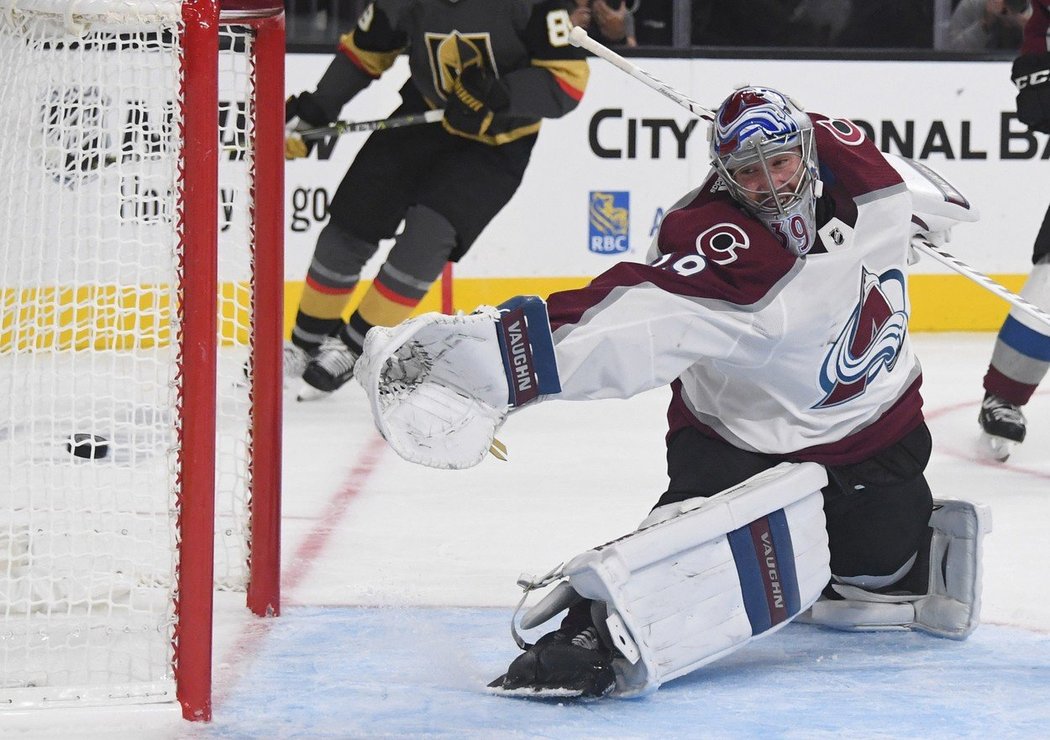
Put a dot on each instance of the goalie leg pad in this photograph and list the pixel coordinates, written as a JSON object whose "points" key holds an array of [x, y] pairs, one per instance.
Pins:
{"points": [[703, 577], [951, 606]]}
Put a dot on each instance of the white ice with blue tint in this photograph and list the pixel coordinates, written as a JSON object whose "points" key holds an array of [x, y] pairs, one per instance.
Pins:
{"points": [[421, 676], [399, 583]]}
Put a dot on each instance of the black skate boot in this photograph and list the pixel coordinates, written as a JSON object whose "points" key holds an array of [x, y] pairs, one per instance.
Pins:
{"points": [[1003, 425], [329, 370], [560, 664]]}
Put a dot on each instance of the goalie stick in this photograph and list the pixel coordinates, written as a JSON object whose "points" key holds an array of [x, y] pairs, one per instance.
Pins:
{"points": [[348, 127], [578, 37], [336, 129]]}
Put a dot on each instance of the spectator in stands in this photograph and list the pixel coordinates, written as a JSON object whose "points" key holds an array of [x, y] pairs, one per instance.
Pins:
{"points": [[652, 22], [978, 25], [750, 23], [827, 18], [607, 21], [896, 24]]}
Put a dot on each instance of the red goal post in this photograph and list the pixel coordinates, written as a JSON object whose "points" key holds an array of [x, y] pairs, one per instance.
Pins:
{"points": [[141, 314]]}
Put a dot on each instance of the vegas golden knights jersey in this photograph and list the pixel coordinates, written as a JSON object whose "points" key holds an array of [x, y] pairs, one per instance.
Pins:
{"points": [[525, 43]]}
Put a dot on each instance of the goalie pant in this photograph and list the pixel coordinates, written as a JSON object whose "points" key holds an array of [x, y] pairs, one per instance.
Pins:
{"points": [[702, 578]]}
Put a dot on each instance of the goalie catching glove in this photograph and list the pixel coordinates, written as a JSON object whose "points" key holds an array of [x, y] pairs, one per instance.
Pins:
{"points": [[1031, 75], [440, 386]]}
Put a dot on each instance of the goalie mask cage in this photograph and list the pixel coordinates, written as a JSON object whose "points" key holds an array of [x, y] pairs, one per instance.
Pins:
{"points": [[141, 274]]}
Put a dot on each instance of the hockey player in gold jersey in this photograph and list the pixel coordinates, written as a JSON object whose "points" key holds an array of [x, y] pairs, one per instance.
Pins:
{"points": [[497, 68]]}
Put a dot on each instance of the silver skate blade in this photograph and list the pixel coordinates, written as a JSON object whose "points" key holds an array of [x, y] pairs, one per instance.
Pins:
{"points": [[496, 689], [308, 393], [998, 447]]}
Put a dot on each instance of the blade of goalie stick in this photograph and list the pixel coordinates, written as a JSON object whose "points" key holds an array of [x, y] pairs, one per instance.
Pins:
{"points": [[348, 127]]}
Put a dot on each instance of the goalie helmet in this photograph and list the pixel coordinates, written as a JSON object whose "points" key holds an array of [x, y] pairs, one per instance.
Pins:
{"points": [[762, 146]]}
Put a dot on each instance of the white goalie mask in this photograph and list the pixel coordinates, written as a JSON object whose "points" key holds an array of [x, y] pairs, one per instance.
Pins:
{"points": [[762, 146]]}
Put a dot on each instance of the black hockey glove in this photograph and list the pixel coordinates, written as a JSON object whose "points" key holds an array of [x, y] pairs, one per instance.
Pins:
{"points": [[1031, 74], [302, 112], [475, 98]]}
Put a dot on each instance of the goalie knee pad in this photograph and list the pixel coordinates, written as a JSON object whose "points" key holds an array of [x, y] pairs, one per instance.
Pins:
{"points": [[951, 605], [703, 577]]}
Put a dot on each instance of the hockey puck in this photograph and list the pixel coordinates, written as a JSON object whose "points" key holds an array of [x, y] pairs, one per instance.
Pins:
{"points": [[88, 446]]}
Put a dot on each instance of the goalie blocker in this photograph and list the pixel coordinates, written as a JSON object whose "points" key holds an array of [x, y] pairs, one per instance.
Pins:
{"points": [[440, 386]]}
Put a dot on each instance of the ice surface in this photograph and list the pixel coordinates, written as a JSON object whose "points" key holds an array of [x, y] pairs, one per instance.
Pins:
{"points": [[399, 582]]}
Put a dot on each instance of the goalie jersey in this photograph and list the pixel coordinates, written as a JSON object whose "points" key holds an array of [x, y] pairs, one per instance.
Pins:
{"points": [[525, 43], [807, 358]]}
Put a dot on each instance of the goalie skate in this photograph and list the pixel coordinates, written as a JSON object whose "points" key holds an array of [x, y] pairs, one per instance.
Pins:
{"points": [[496, 689], [560, 665]]}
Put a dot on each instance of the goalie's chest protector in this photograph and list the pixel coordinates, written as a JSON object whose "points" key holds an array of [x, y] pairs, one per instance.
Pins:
{"points": [[825, 352]]}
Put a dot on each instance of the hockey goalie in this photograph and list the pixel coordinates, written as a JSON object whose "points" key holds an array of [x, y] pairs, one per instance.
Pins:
{"points": [[774, 303]]}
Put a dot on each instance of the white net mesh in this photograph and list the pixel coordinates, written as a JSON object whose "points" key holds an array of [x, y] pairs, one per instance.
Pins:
{"points": [[89, 268], [233, 425]]}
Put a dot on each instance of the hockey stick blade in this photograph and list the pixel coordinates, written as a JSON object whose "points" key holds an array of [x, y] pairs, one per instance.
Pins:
{"points": [[348, 127], [983, 280], [578, 37]]}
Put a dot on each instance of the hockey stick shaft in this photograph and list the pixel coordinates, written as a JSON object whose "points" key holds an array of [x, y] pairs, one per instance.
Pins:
{"points": [[578, 37], [983, 280], [348, 127]]}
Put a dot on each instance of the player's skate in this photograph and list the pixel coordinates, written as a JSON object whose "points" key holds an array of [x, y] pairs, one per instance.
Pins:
{"points": [[295, 360], [560, 664], [1002, 425], [328, 371]]}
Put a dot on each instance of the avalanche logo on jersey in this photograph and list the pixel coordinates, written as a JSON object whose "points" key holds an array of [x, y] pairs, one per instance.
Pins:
{"points": [[609, 222], [870, 341]]}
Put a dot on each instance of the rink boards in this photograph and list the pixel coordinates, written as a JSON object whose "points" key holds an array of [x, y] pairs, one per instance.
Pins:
{"points": [[602, 177]]}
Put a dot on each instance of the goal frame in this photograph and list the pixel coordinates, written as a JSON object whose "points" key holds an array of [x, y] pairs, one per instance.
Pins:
{"points": [[199, 288]]}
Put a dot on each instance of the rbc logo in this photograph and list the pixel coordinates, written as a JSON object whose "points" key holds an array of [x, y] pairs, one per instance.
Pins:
{"points": [[609, 219]]}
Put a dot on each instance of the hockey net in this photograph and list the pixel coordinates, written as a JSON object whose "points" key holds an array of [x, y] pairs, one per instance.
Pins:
{"points": [[139, 364]]}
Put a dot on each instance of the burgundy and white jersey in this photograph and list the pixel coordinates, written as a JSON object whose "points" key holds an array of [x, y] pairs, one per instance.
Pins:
{"points": [[807, 357]]}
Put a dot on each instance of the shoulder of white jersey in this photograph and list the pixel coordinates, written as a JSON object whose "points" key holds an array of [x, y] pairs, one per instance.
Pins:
{"points": [[937, 205], [849, 159], [707, 210], [654, 247]]}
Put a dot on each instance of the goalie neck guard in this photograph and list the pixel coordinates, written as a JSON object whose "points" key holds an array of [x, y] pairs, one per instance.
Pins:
{"points": [[762, 146]]}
